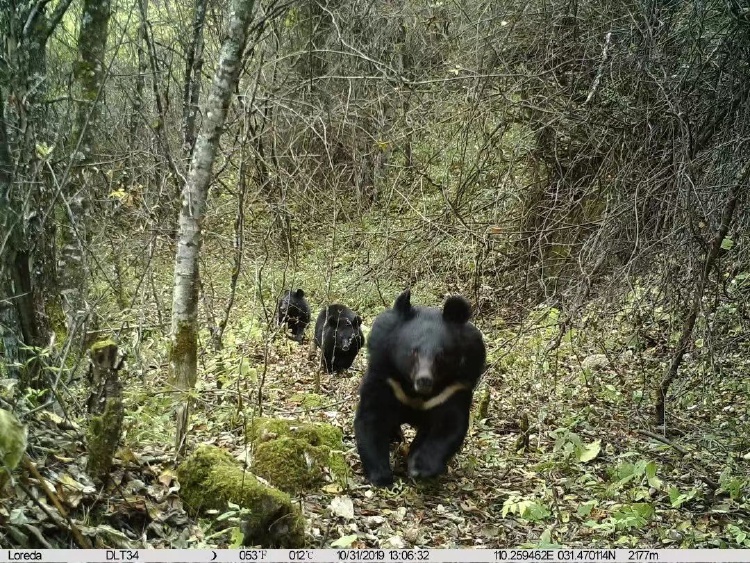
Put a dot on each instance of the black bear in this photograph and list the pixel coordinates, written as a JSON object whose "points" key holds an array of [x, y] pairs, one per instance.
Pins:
{"points": [[294, 310], [423, 366], [338, 333]]}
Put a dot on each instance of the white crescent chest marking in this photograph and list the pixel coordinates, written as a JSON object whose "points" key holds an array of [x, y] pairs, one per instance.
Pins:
{"points": [[422, 404]]}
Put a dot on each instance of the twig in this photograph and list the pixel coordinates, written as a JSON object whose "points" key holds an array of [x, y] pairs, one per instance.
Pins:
{"points": [[79, 538], [663, 440], [598, 78]]}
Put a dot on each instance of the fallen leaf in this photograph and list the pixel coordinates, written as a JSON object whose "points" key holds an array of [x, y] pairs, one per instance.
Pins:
{"points": [[342, 506], [345, 541]]}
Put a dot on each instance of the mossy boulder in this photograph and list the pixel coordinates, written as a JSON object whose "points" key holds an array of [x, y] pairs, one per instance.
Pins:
{"points": [[13, 436], [296, 456], [314, 433], [210, 479]]}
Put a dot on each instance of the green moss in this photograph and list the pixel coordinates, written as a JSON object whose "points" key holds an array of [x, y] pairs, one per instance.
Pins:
{"points": [[57, 320], [102, 439], [294, 465], [184, 349], [96, 346], [297, 456], [210, 479], [185, 342], [308, 400], [316, 434], [12, 443]]}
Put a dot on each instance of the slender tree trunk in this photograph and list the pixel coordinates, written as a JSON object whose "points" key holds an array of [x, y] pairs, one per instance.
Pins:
{"points": [[193, 69], [140, 81], [183, 354], [689, 323], [89, 73], [11, 333]]}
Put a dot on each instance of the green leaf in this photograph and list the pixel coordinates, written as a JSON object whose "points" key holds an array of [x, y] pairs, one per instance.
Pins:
{"points": [[236, 538], [653, 480], [589, 452], [586, 508], [633, 515], [675, 497], [345, 541], [727, 244], [545, 540], [533, 511]]}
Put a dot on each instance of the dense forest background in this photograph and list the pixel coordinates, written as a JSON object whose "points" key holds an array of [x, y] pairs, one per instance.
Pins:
{"points": [[578, 169]]}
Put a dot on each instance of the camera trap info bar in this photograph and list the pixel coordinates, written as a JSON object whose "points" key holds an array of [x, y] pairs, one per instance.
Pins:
{"points": [[372, 555]]}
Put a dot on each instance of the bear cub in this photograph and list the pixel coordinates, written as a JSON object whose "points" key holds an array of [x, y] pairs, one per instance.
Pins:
{"points": [[424, 364], [294, 310], [338, 333]]}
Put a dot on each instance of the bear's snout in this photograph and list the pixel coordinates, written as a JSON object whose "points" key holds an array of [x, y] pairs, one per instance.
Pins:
{"points": [[423, 379], [423, 384]]}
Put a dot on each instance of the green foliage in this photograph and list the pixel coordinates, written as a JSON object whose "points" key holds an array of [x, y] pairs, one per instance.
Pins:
{"points": [[635, 475], [739, 534], [634, 515], [525, 508], [678, 499], [571, 447], [736, 486]]}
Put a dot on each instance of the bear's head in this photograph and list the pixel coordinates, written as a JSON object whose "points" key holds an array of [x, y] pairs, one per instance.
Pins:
{"points": [[429, 347], [345, 330]]}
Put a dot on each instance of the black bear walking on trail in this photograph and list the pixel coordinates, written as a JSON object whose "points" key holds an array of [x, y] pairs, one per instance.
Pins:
{"points": [[423, 366], [294, 310], [338, 333]]}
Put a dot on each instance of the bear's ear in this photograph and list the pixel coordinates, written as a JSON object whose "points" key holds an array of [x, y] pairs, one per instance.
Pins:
{"points": [[456, 310], [403, 303], [299, 293], [356, 321]]}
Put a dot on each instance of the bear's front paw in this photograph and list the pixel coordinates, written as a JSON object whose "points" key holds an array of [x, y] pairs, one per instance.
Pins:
{"points": [[425, 466], [381, 479]]}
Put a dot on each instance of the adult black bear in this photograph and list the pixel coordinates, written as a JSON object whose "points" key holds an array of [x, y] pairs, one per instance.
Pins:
{"points": [[294, 310], [338, 333], [423, 366]]}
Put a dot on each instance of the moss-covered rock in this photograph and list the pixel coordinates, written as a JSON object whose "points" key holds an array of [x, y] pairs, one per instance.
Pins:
{"points": [[13, 436], [294, 465], [316, 434], [297, 456], [210, 479]]}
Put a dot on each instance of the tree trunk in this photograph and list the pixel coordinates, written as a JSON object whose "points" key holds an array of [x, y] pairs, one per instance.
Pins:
{"points": [[11, 335], [27, 265], [105, 407], [183, 353], [140, 81], [689, 322], [193, 69], [89, 73]]}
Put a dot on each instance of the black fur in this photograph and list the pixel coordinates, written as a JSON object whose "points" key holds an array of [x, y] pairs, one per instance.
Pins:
{"points": [[423, 366], [338, 332], [294, 310]]}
